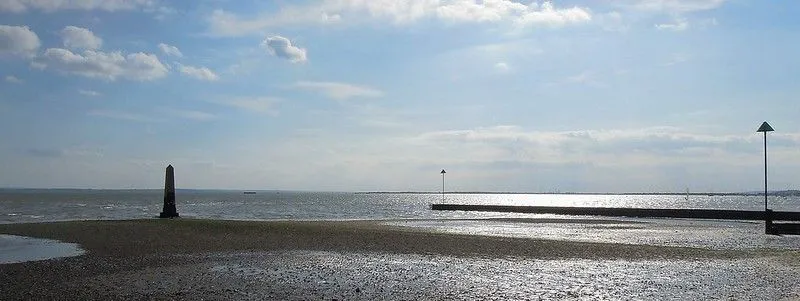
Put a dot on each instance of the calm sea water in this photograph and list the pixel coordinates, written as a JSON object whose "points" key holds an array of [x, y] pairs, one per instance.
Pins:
{"points": [[413, 210], [37, 205]]}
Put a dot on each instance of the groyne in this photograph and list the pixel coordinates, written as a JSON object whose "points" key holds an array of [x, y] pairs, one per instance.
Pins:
{"points": [[628, 212]]}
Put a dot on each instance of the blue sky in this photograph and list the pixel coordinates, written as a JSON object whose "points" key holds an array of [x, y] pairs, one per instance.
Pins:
{"points": [[353, 95]]}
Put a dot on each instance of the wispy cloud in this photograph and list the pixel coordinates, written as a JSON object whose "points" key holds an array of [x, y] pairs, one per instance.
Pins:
{"points": [[44, 152], [583, 77], [644, 146], [160, 115], [170, 50], [189, 114], [338, 91], [201, 73], [224, 23], [89, 93], [675, 59], [120, 115], [13, 79], [674, 6], [628, 159], [502, 67], [55, 152], [19, 6], [612, 21], [678, 25], [586, 77], [264, 104]]}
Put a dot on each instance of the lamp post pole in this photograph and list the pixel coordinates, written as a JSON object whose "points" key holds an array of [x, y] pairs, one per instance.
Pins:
{"points": [[765, 171], [764, 128]]}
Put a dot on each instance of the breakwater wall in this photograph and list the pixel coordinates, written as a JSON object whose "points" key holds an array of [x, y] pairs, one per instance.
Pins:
{"points": [[628, 212]]}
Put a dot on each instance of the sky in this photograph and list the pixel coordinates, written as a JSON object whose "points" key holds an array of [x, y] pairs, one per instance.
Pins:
{"points": [[381, 95]]}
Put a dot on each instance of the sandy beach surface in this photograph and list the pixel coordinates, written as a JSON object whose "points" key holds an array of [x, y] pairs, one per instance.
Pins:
{"points": [[195, 259]]}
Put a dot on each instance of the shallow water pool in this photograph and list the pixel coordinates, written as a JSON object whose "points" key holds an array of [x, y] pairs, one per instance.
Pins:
{"points": [[15, 249]]}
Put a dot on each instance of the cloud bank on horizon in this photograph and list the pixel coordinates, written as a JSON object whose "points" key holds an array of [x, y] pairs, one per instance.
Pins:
{"points": [[349, 95]]}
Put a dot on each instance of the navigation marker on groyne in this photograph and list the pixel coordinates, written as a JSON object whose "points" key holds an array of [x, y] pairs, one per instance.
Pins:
{"points": [[768, 227], [764, 128], [169, 195], [443, 172]]}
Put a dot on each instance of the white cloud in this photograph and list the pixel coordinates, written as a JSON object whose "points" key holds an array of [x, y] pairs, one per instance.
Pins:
{"points": [[18, 41], [253, 104], [456, 11], [678, 25], [548, 15], [170, 50], [502, 67], [89, 93], [105, 65], [13, 79], [400, 13], [283, 48], [674, 6], [339, 91], [201, 73], [18, 6], [80, 38]]}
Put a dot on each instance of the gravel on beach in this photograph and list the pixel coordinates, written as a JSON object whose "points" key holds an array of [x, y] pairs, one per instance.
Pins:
{"points": [[195, 259]]}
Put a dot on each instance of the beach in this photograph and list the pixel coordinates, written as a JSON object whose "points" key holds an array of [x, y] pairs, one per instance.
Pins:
{"points": [[191, 259]]}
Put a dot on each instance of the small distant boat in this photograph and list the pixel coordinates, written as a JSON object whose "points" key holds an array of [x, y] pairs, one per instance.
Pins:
{"points": [[249, 192]]}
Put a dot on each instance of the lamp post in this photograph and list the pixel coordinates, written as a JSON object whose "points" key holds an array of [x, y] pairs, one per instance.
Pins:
{"points": [[768, 228], [764, 128], [443, 172]]}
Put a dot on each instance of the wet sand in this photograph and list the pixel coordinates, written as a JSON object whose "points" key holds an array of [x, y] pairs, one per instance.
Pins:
{"points": [[212, 260]]}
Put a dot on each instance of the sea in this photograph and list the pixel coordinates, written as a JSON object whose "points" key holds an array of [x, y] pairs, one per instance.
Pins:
{"points": [[43, 205], [413, 210], [742, 278]]}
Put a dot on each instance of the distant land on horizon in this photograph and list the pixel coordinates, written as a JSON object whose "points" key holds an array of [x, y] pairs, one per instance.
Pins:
{"points": [[789, 192]]}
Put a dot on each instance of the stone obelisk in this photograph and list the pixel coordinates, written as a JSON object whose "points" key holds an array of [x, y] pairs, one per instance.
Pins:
{"points": [[169, 195]]}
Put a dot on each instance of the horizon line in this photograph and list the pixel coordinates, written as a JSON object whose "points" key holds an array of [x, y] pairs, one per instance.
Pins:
{"points": [[754, 192]]}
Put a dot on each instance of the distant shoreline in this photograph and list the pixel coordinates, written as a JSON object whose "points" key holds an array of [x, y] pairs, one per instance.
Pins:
{"points": [[790, 192]]}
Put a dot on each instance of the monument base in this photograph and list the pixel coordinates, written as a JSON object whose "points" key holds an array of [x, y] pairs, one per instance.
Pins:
{"points": [[168, 215]]}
